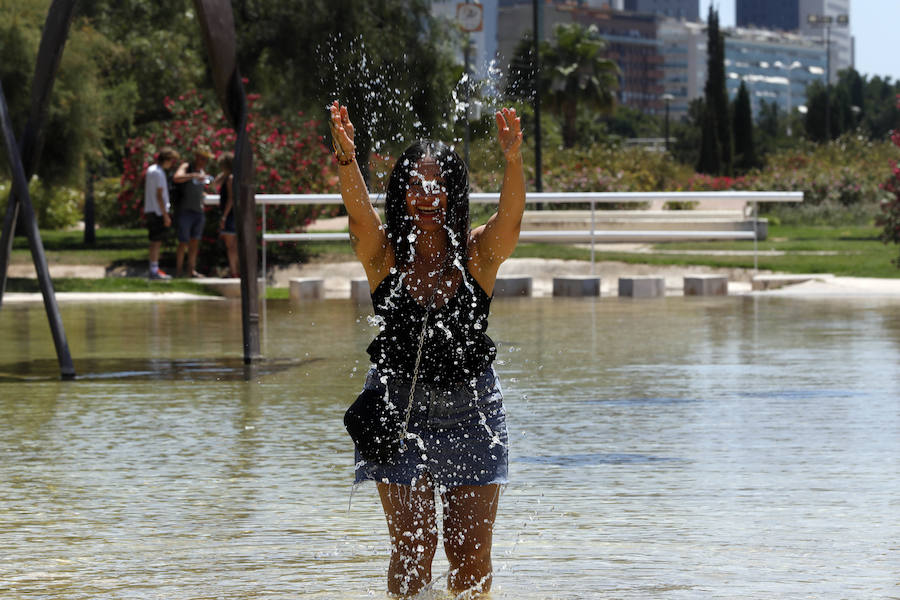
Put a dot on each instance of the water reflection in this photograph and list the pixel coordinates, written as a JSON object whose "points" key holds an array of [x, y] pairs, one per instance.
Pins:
{"points": [[673, 449], [158, 369]]}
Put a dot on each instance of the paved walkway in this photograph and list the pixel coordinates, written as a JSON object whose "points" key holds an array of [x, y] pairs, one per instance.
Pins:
{"points": [[337, 277]]}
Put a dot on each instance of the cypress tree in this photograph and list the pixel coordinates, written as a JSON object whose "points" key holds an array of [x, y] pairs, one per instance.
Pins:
{"points": [[716, 98], [709, 161], [744, 149]]}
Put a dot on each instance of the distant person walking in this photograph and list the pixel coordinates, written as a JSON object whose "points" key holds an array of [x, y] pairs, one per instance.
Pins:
{"points": [[224, 184], [157, 206], [190, 179]]}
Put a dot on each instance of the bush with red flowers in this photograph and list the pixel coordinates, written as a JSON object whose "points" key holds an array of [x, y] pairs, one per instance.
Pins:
{"points": [[288, 153]]}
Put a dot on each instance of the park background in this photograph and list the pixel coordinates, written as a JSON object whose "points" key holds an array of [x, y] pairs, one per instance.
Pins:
{"points": [[134, 77]]}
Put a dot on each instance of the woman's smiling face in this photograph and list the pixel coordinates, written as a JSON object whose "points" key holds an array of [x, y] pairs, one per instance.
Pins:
{"points": [[426, 196]]}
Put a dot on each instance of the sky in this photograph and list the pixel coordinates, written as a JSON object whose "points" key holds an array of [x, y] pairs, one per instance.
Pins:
{"points": [[873, 23]]}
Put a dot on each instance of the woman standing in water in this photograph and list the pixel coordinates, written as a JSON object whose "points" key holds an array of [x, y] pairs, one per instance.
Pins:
{"points": [[425, 263]]}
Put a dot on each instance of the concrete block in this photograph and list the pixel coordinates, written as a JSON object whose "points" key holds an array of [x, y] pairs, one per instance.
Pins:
{"points": [[642, 287], [706, 285], [359, 291], [512, 286], [576, 286], [307, 288], [228, 287], [780, 280]]}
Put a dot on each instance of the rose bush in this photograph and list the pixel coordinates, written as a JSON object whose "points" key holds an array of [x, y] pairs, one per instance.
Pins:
{"points": [[289, 157]]}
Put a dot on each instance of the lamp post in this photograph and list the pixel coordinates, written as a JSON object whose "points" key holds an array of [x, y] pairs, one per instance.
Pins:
{"points": [[469, 16], [788, 68], [826, 21], [667, 98], [537, 23]]}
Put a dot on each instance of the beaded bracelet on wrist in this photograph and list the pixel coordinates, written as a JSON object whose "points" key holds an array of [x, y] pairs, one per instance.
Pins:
{"points": [[345, 159]]}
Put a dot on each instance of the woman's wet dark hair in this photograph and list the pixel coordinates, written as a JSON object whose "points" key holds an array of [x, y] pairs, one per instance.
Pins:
{"points": [[456, 181]]}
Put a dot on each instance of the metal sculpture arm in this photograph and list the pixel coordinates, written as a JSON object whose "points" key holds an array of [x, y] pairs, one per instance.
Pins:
{"points": [[217, 24], [23, 160], [53, 41]]}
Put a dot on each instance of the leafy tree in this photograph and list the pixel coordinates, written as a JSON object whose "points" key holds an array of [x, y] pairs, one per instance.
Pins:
{"points": [[86, 106], [716, 151], [631, 122], [880, 112], [163, 53], [770, 129], [744, 149], [889, 220], [688, 135], [573, 71], [389, 60], [521, 74]]}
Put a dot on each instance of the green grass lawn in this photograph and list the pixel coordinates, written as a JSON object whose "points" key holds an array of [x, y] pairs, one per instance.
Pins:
{"points": [[848, 251], [67, 247]]}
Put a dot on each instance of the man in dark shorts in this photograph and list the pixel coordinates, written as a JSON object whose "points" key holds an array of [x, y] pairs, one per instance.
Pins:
{"points": [[157, 207], [191, 180]]}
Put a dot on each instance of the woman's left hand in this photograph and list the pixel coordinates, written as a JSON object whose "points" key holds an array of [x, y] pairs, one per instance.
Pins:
{"points": [[509, 133]]}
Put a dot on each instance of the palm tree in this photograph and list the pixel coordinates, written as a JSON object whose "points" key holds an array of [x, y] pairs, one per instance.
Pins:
{"points": [[573, 71]]}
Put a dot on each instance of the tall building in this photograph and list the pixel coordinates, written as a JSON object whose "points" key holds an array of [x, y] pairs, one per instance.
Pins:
{"points": [[836, 35], [775, 66], [683, 48], [782, 15], [676, 9]]}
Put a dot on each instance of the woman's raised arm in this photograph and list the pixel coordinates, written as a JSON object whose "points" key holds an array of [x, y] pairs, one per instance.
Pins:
{"points": [[367, 234], [495, 241]]}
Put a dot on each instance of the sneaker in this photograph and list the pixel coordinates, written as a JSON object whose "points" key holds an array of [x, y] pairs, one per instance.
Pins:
{"points": [[160, 274]]}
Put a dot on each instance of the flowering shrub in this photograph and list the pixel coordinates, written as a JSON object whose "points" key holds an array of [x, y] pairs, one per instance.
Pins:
{"points": [[841, 178], [889, 219], [289, 158]]}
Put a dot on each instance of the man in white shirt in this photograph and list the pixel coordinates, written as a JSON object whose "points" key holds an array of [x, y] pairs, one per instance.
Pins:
{"points": [[157, 207]]}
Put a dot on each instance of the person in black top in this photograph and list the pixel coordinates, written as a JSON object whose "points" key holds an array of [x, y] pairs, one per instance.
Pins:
{"points": [[224, 183], [191, 179], [426, 262]]}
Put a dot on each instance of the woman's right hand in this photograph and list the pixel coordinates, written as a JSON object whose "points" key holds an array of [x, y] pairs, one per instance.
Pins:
{"points": [[341, 131]]}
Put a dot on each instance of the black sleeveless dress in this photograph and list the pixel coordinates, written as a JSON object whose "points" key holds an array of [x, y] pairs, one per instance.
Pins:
{"points": [[456, 349]]}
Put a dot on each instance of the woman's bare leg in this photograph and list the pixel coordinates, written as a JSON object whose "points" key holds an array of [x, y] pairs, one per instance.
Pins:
{"points": [[231, 249], [469, 514], [412, 524]]}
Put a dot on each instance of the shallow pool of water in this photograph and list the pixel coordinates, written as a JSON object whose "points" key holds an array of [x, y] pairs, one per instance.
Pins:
{"points": [[739, 447]]}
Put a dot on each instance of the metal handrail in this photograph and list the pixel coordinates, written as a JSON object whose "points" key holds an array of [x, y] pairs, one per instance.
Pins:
{"points": [[738, 197]]}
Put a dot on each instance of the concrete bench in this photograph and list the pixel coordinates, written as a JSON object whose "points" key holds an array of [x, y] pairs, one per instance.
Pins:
{"points": [[706, 285], [642, 287], [307, 288], [506, 287], [576, 286], [228, 287], [780, 280], [359, 291]]}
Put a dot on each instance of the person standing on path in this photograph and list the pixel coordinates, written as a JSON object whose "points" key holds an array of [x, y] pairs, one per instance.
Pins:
{"points": [[224, 183], [191, 180], [157, 206]]}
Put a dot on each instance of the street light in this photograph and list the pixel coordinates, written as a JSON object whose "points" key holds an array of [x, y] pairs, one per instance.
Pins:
{"points": [[668, 98], [826, 21], [788, 68]]}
